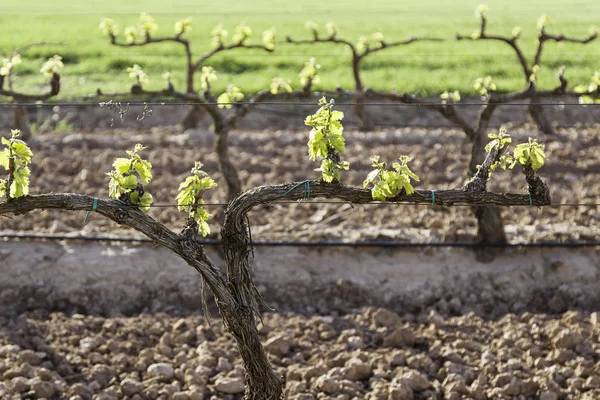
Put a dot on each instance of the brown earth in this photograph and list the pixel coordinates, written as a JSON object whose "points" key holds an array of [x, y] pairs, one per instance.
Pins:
{"points": [[366, 354]]}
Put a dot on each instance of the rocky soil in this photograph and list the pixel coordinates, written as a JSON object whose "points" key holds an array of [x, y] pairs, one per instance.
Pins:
{"points": [[77, 162], [366, 354]]}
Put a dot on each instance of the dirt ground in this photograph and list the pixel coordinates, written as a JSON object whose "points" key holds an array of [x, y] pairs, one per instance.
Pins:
{"points": [[360, 353], [367, 354]]}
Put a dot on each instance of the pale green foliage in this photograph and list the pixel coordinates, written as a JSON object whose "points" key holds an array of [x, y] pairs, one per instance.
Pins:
{"points": [[534, 71], [481, 10], [378, 38], [592, 87], [362, 45], [167, 76], [310, 72], [280, 84], [331, 28], [190, 197], [52, 66], [476, 35], [138, 73], [499, 141], [330, 170], [219, 34], [485, 85], [233, 94], [127, 174], [593, 30], [108, 27], [20, 154], [9, 63], [452, 96], [311, 26], [388, 184], [268, 38], [208, 75], [542, 21], [130, 34], [326, 139], [242, 34], [183, 26], [516, 31], [146, 24], [531, 153]]}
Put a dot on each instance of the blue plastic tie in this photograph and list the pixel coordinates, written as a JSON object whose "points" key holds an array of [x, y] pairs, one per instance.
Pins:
{"points": [[433, 197], [94, 208], [305, 192], [530, 200]]}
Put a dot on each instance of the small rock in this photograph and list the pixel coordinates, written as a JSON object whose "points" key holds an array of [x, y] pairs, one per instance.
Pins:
{"points": [[19, 384], [230, 385], [163, 371], [327, 385], [400, 391], [385, 317], [566, 340], [129, 387], [43, 390], [224, 365], [180, 396], [102, 374], [29, 357], [278, 345], [546, 395], [436, 319], [357, 370], [414, 380], [400, 337]]}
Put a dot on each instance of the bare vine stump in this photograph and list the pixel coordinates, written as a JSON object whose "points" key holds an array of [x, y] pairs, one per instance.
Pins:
{"points": [[192, 118], [490, 227], [20, 122], [366, 123], [539, 117]]}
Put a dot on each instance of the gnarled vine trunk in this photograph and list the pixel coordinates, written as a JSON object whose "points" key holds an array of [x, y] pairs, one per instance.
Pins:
{"points": [[20, 122], [226, 167], [536, 111], [490, 227], [192, 118]]}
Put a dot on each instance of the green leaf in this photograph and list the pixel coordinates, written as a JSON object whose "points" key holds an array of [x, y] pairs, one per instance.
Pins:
{"points": [[4, 159], [144, 170], [21, 150], [122, 165], [2, 188], [130, 182], [224, 101]]}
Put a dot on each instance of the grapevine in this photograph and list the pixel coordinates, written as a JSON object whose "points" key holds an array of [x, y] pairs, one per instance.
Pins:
{"points": [[190, 197], [326, 140], [15, 158], [129, 176], [388, 184]]}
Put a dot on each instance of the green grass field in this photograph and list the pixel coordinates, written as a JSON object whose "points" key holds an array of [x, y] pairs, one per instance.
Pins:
{"points": [[91, 62]]}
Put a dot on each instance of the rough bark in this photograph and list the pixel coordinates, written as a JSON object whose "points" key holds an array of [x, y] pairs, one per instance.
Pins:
{"points": [[536, 111], [226, 166], [20, 122], [192, 118]]}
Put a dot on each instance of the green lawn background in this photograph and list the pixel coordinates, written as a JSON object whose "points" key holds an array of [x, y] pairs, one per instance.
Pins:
{"points": [[430, 68]]}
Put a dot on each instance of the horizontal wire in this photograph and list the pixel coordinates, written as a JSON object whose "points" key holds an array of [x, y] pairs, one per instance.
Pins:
{"points": [[215, 242], [278, 103], [167, 205]]}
